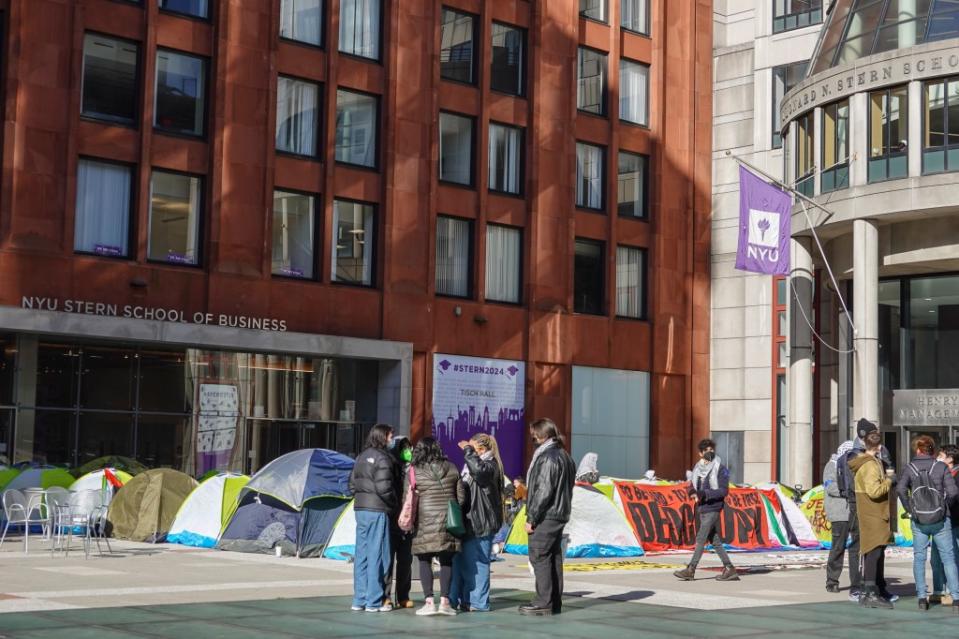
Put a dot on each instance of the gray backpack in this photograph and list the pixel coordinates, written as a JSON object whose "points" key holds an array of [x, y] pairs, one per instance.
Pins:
{"points": [[927, 501]]}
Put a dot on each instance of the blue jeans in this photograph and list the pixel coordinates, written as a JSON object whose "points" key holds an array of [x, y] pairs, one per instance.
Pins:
{"points": [[471, 573], [938, 571], [372, 560], [941, 536]]}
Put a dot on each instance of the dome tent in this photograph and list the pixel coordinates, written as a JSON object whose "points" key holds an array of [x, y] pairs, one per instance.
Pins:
{"points": [[116, 462], [207, 510], [40, 478], [342, 544], [95, 480], [7, 475], [293, 502], [144, 510]]}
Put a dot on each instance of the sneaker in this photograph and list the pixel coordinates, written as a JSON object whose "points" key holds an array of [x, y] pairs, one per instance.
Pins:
{"points": [[923, 604], [383, 608], [428, 610], [446, 609], [357, 608], [874, 600], [833, 588], [888, 596], [855, 595]]}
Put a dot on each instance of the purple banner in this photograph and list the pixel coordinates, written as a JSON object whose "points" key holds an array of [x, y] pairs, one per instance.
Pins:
{"points": [[764, 217], [477, 395]]}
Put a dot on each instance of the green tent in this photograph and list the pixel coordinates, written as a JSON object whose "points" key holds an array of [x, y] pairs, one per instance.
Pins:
{"points": [[116, 462], [144, 509], [6, 475]]}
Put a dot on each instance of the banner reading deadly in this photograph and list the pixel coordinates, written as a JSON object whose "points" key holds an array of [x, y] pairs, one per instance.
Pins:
{"points": [[664, 517]]}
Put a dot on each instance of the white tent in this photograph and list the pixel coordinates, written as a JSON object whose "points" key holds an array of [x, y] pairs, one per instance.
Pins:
{"points": [[342, 544], [206, 510], [94, 481]]}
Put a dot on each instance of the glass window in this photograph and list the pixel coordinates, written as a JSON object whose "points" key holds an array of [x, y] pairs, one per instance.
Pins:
{"points": [[591, 82], [835, 146], [595, 9], [941, 123], [633, 92], [795, 14], [101, 434], [293, 234], [46, 437], [8, 354], [174, 218], [159, 440], [356, 123], [456, 148], [296, 116], [635, 15], [888, 134], [505, 158], [784, 79], [504, 263], [630, 282], [302, 20], [353, 242], [631, 184], [589, 176], [730, 445], [456, 46], [7, 417], [196, 8], [507, 69], [588, 278], [104, 198], [805, 156], [360, 28], [109, 79], [58, 367], [163, 385], [454, 255], [180, 89], [933, 333], [890, 321], [107, 377]]}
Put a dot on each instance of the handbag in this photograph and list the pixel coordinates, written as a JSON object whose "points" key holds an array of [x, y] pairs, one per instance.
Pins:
{"points": [[407, 518], [454, 519]]}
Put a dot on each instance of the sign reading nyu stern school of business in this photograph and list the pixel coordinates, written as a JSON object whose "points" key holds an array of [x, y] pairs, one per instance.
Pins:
{"points": [[131, 311], [764, 222], [476, 395]]}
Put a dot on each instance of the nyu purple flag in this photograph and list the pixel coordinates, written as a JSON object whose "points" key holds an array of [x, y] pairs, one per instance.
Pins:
{"points": [[764, 215]]}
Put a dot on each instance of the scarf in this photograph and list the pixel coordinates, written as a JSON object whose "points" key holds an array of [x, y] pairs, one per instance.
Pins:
{"points": [[542, 448], [466, 476], [844, 448], [707, 470]]}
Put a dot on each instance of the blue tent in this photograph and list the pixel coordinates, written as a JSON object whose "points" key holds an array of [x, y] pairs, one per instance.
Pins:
{"points": [[293, 502]]}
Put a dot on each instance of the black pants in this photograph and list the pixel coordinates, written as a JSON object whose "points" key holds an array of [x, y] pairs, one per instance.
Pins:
{"points": [[401, 560], [426, 573], [546, 556], [874, 568], [840, 531]]}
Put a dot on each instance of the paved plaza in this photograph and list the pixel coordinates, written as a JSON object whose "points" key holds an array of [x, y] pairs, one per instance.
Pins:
{"points": [[143, 590]]}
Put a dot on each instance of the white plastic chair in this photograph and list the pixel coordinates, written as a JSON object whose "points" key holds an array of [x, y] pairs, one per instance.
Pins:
{"points": [[16, 510]]}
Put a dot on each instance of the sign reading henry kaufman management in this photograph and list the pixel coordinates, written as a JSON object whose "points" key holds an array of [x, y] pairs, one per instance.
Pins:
{"points": [[764, 220], [925, 407], [475, 395]]}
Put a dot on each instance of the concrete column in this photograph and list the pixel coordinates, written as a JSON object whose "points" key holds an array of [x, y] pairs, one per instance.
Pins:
{"points": [[914, 141], [24, 442], [800, 364], [865, 254], [817, 149], [858, 139]]}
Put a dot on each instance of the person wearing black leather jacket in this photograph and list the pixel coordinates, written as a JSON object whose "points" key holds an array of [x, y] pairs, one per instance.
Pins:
{"points": [[550, 481], [374, 485], [483, 476]]}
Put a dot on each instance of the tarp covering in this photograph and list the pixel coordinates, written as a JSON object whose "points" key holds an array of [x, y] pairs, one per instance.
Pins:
{"points": [[596, 528], [41, 478], [144, 509], [301, 475], [206, 511]]}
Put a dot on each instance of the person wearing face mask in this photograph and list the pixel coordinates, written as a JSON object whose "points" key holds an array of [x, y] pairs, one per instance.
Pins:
{"points": [[401, 543], [709, 485], [552, 474], [373, 483]]}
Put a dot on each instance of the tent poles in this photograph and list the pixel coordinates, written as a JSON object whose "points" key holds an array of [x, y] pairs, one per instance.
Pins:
{"points": [[803, 200]]}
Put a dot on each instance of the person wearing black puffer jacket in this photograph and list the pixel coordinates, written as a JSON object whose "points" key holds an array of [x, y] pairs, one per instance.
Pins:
{"points": [[550, 481], [483, 477], [374, 483]]}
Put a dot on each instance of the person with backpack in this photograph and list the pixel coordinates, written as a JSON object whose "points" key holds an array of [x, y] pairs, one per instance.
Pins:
{"points": [[844, 525], [949, 455], [873, 487], [927, 491]]}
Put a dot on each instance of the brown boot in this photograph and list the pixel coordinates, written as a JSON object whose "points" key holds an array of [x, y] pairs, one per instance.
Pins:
{"points": [[729, 574], [686, 574]]}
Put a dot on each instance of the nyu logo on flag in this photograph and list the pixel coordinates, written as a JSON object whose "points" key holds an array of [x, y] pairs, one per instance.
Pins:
{"points": [[764, 216]]}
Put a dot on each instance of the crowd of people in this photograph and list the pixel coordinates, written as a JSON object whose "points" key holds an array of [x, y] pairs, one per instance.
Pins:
{"points": [[860, 482]]}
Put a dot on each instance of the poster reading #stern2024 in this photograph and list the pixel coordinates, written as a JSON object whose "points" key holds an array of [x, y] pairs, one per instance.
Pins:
{"points": [[476, 395]]}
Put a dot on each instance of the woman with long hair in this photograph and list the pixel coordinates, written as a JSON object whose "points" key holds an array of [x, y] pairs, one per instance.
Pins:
{"points": [[437, 482], [483, 476]]}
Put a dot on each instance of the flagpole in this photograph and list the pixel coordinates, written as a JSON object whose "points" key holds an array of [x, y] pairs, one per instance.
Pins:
{"points": [[803, 200]]}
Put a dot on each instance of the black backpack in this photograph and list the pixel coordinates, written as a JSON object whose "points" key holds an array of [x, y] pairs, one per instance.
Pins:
{"points": [[844, 477], [927, 502]]}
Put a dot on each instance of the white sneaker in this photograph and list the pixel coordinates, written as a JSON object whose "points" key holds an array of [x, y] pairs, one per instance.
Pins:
{"points": [[428, 610], [383, 608], [446, 609], [356, 608]]}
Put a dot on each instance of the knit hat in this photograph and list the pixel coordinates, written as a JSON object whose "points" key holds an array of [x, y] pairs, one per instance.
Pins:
{"points": [[864, 427]]}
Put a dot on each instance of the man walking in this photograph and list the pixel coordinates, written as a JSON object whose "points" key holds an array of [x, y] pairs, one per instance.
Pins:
{"points": [[709, 483], [549, 482], [844, 525]]}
